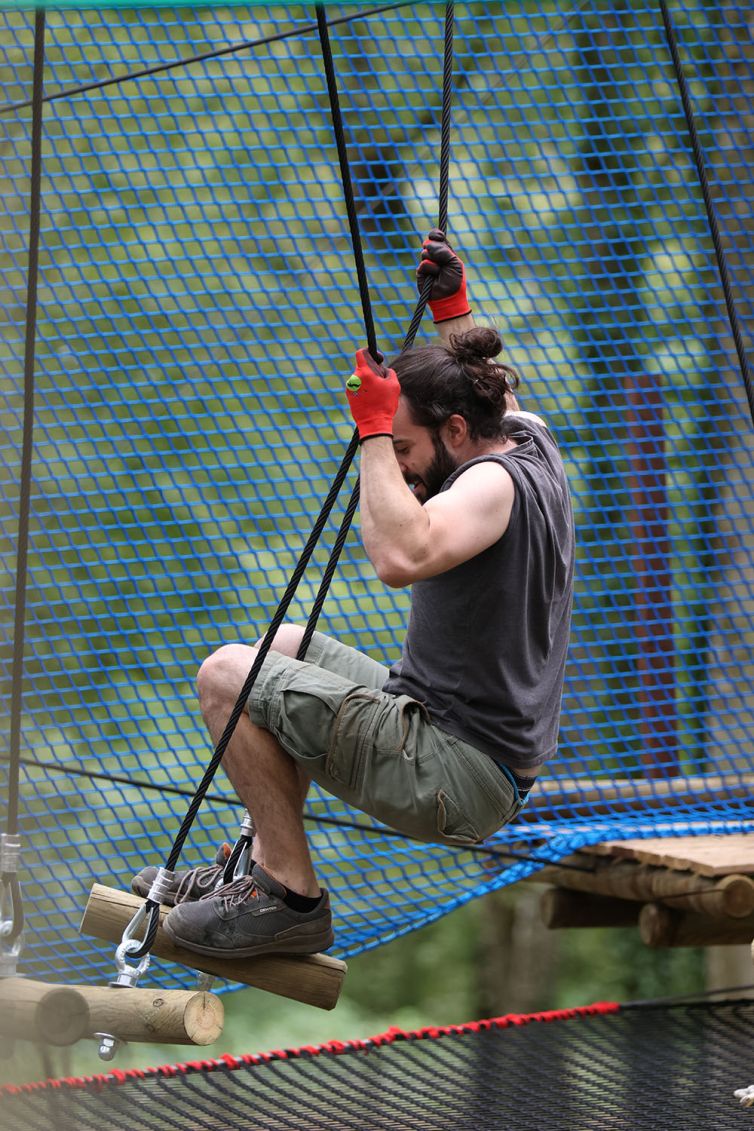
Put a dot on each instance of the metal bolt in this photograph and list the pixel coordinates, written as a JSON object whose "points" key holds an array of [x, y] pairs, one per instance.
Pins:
{"points": [[108, 1046]]}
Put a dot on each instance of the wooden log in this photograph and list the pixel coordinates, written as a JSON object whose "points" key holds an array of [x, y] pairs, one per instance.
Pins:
{"points": [[560, 907], [554, 797], [315, 979], [661, 926], [175, 1017], [626, 879], [38, 1011]]}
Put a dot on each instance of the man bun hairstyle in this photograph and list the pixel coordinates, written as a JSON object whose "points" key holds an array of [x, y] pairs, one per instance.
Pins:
{"points": [[462, 378]]}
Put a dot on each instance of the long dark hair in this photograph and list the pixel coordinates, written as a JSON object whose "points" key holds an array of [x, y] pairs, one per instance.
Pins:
{"points": [[462, 378]]}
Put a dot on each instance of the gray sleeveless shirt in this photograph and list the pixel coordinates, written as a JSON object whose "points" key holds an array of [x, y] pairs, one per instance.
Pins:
{"points": [[487, 640]]}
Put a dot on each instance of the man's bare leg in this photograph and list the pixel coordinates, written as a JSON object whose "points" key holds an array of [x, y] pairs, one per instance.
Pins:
{"points": [[268, 781]]}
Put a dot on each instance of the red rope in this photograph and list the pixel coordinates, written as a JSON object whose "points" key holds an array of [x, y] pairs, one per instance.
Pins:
{"points": [[329, 1048]]}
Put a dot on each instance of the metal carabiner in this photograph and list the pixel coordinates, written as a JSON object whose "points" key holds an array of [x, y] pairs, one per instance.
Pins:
{"points": [[11, 908], [129, 975]]}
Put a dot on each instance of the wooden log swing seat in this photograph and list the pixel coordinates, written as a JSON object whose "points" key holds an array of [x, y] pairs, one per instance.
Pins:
{"points": [[315, 979]]}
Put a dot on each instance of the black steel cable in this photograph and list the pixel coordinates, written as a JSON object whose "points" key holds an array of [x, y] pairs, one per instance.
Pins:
{"points": [[215, 53], [332, 87], [313, 818], [27, 449], [447, 101], [345, 174], [264, 648], [722, 265]]}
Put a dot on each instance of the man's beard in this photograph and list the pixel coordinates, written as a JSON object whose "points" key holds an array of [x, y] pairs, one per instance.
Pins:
{"points": [[440, 469]]}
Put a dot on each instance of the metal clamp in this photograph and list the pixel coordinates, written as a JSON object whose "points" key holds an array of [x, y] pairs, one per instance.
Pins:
{"points": [[127, 974], [161, 885], [10, 854], [239, 861], [247, 825], [11, 912]]}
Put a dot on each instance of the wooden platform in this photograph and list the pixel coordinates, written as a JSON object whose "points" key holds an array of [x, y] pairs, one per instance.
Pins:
{"points": [[703, 855], [681, 891]]}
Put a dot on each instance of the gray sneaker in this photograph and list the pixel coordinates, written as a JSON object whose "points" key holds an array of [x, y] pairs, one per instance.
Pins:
{"points": [[186, 887], [248, 917]]}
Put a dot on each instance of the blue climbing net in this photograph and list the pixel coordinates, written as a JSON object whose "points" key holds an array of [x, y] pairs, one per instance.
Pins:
{"points": [[198, 313]]}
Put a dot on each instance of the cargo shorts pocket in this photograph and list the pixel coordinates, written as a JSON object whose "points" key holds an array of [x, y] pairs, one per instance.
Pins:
{"points": [[351, 734], [452, 823]]}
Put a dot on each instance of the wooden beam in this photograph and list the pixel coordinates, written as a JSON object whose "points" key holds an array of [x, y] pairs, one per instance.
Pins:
{"points": [[626, 879], [661, 926], [560, 907], [174, 1017], [314, 979], [588, 798], [38, 1011]]}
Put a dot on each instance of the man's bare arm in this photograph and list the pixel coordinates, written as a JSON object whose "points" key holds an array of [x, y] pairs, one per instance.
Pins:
{"points": [[406, 541]]}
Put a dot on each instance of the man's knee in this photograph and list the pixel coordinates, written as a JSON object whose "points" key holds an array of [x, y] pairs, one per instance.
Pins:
{"points": [[287, 640], [224, 672]]}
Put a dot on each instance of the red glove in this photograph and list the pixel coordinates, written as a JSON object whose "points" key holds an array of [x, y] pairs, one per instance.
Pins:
{"points": [[372, 391], [448, 295]]}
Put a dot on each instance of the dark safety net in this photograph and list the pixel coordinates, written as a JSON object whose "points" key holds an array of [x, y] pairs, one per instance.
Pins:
{"points": [[650, 1068]]}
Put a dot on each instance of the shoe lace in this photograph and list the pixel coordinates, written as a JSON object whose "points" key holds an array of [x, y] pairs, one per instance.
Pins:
{"points": [[199, 879], [237, 891]]}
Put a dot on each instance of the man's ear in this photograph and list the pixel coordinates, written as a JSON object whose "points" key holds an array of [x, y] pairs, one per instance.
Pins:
{"points": [[455, 430]]}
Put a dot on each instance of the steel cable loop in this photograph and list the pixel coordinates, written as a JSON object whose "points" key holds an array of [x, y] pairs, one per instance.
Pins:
{"points": [[426, 287], [152, 907], [722, 265]]}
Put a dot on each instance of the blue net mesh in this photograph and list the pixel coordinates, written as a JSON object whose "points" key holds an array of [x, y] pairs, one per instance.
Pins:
{"points": [[198, 313]]}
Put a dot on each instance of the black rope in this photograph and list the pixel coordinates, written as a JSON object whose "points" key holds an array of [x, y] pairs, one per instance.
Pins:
{"points": [[329, 572], [345, 173], [442, 210], [264, 648], [447, 98], [215, 53], [27, 450], [320, 819], [447, 101], [151, 905], [678, 999], [722, 265]]}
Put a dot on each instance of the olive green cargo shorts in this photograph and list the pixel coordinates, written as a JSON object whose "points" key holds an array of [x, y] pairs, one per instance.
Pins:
{"points": [[379, 752]]}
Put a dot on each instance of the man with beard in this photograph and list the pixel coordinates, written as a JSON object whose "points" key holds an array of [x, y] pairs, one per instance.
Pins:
{"points": [[465, 499]]}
